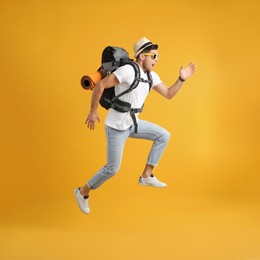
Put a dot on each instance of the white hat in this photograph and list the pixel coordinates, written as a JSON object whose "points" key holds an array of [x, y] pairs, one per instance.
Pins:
{"points": [[141, 45]]}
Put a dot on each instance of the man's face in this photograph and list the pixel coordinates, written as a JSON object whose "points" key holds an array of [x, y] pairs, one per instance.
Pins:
{"points": [[150, 59]]}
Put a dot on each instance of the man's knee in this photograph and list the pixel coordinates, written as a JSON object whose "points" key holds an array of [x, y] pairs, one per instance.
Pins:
{"points": [[165, 136], [111, 170]]}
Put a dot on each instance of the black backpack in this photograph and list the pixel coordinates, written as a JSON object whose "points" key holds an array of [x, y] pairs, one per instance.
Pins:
{"points": [[113, 58]]}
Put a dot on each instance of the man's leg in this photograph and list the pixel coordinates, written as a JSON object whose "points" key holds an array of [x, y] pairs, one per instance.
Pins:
{"points": [[160, 138], [148, 171], [115, 145]]}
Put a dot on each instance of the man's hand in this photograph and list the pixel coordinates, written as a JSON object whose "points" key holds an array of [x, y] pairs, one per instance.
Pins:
{"points": [[91, 120], [185, 73]]}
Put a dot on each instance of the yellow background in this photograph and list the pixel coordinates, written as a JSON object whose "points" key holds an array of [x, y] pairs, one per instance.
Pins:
{"points": [[210, 209]]}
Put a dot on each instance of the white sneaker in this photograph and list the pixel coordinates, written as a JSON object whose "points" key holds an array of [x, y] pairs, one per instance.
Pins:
{"points": [[82, 201], [151, 181]]}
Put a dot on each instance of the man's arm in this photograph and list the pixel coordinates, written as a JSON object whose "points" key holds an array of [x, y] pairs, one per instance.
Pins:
{"points": [[170, 92], [108, 82]]}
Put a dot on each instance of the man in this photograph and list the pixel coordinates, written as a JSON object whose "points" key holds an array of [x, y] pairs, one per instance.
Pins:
{"points": [[120, 126]]}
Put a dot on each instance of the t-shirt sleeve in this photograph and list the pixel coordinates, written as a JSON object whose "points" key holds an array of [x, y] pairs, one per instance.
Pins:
{"points": [[156, 79], [125, 74]]}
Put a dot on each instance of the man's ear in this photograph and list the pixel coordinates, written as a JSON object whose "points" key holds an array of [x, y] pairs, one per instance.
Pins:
{"points": [[141, 56]]}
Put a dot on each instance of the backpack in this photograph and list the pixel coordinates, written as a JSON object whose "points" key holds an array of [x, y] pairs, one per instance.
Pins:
{"points": [[113, 58]]}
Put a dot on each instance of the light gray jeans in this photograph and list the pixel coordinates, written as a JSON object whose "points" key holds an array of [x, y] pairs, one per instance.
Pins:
{"points": [[115, 145]]}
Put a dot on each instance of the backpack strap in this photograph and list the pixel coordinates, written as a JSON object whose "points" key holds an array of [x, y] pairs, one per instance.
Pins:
{"points": [[138, 110], [135, 82], [133, 111], [150, 79], [122, 106]]}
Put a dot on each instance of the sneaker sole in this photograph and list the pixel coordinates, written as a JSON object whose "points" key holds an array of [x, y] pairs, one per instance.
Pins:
{"points": [[148, 185]]}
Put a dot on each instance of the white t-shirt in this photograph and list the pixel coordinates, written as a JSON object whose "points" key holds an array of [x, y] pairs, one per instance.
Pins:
{"points": [[136, 97]]}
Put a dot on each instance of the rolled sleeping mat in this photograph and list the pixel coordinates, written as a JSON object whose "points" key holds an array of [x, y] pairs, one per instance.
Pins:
{"points": [[89, 81]]}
